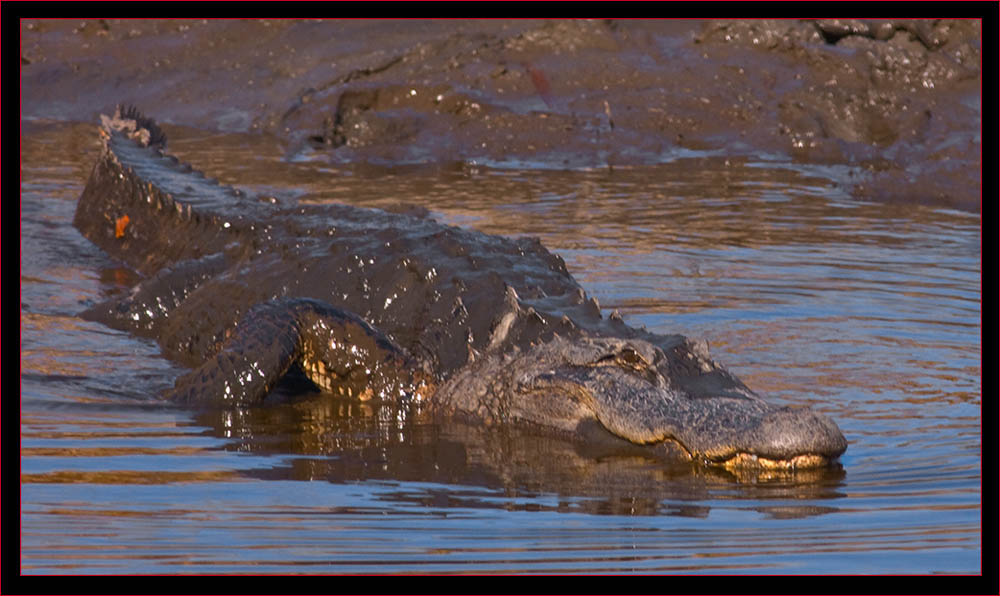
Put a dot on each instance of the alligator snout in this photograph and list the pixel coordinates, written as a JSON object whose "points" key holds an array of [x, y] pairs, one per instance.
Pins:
{"points": [[720, 430], [784, 437], [789, 431]]}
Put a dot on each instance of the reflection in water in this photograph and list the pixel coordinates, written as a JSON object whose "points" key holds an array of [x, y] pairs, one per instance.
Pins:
{"points": [[869, 313], [339, 441]]}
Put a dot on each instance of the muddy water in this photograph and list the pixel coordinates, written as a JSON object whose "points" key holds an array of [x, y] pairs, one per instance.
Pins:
{"points": [[867, 312]]}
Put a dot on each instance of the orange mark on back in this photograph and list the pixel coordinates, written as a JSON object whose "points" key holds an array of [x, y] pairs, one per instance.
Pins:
{"points": [[541, 83], [120, 224]]}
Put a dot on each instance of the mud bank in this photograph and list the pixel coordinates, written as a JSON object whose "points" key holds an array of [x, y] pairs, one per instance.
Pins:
{"points": [[893, 107]]}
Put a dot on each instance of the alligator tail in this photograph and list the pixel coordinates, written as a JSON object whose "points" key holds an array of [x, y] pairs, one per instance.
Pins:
{"points": [[148, 209], [138, 127]]}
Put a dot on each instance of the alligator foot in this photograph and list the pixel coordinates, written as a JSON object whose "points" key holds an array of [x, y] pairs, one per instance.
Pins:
{"points": [[337, 350]]}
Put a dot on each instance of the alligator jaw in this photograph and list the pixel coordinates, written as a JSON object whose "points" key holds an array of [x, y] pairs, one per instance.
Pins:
{"points": [[742, 434], [785, 438], [740, 458], [748, 460]]}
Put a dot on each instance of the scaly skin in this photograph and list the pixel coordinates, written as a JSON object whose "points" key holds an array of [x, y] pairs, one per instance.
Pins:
{"points": [[374, 304]]}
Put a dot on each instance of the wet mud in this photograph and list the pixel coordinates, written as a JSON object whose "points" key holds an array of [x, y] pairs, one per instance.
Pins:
{"points": [[892, 107]]}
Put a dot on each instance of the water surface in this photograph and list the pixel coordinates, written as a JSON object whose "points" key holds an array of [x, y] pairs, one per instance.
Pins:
{"points": [[870, 313]]}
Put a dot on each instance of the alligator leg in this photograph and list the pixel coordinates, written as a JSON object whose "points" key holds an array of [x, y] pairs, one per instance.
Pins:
{"points": [[336, 349]]}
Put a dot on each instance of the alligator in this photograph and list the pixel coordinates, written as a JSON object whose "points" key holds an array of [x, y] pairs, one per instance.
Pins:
{"points": [[393, 305]]}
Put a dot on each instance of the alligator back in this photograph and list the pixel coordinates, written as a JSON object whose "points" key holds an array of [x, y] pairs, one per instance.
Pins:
{"points": [[213, 252]]}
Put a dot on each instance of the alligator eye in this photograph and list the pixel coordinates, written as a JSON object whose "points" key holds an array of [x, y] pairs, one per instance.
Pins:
{"points": [[626, 357], [630, 356]]}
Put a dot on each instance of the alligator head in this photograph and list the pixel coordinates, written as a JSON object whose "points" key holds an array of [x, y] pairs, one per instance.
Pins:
{"points": [[646, 395]]}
